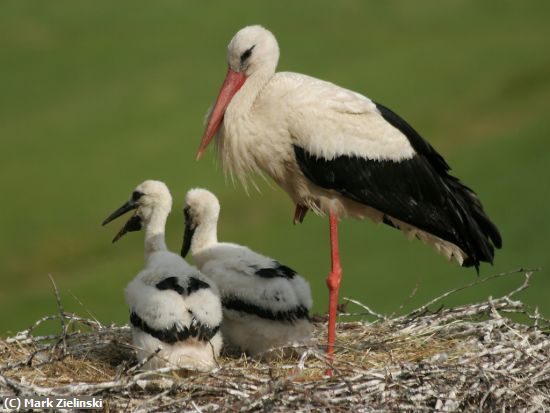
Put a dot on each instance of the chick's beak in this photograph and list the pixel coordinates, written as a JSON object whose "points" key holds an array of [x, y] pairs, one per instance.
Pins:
{"points": [[133, 224], [128, 206], [187, 234]]}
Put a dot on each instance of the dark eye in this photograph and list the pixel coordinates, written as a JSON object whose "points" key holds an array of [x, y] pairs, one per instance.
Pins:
{"points": [[136, 195], [247, 54]]}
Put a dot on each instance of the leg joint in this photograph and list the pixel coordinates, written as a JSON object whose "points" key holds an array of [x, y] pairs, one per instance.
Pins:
{"points": [[334, 279]]}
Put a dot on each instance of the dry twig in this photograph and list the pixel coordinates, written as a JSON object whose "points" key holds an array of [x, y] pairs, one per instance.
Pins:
{"points": [[467, 358]]}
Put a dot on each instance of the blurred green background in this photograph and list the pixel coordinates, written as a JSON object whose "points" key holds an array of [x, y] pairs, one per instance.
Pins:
{"points": [[96, 96]]}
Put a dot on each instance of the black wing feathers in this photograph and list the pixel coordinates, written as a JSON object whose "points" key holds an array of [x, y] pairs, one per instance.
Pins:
{"points": [[278, 270], [418, 191], [171, 283], [422, 147], [419, 144], [385, 186], [291, 315], [198, 330]]}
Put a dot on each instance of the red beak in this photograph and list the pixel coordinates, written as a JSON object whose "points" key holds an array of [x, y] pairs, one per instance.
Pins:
{"points": [[231, 85]]}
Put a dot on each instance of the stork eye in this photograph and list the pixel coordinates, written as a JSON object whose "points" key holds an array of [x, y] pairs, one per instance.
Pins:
{"points": [[247, 54], [136, 195]]}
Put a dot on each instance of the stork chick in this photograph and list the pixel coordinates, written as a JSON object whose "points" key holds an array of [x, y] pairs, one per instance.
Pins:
{"points": [[265, 304], [175, 311]]}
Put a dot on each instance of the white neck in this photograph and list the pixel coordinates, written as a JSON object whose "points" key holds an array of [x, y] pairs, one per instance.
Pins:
{"points": [[233, 145], [205, 236], [154, 233], [242, 102]]}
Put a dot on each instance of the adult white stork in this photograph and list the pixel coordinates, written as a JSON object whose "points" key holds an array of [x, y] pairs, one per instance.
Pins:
{"points": [[175, 311], [265, 303], [339, 153]]}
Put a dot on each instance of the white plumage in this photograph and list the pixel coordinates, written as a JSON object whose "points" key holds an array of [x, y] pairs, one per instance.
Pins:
{"points": [[173, 307], [265, 304], [339, 153]]}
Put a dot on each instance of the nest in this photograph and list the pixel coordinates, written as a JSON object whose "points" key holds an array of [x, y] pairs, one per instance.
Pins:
{"points": [[469, 358]]}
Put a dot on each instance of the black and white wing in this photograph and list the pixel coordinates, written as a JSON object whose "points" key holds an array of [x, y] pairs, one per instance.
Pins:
{"points": [[347, 143], [254, 284], [175, 308]]}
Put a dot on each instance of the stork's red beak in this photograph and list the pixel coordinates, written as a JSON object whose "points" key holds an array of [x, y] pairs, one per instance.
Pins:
{"points": [[231, 85]]}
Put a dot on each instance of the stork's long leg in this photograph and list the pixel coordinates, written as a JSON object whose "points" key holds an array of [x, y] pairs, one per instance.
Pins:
{"points": [[333, 283]]}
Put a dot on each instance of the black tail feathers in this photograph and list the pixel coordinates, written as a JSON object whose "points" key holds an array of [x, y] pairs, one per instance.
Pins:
{"points": [[479, 234]]}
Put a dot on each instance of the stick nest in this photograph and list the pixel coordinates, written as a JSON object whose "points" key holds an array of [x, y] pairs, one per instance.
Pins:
{"points": [[468, 358]]}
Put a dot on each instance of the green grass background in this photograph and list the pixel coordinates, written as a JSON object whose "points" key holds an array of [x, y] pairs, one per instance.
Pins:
{"points": [[96, 96]]}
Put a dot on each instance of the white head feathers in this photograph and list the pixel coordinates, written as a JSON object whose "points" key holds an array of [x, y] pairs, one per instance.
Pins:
{"points": [[253, 48], [156, 196]]}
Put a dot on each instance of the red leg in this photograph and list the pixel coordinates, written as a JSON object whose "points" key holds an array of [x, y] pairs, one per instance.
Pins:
{"points": [[333, 283]]}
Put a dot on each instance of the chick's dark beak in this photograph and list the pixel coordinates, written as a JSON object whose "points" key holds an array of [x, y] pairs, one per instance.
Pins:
{"points": [[188, 233], [133, 224], [128, 206]]}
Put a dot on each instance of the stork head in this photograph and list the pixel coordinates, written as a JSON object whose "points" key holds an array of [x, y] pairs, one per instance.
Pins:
{"points": [[201, 208], [252, 50], [148, 198]]}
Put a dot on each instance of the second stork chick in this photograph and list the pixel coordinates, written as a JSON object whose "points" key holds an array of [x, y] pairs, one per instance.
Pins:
{"points": [[175, 311], [265, 304]]}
